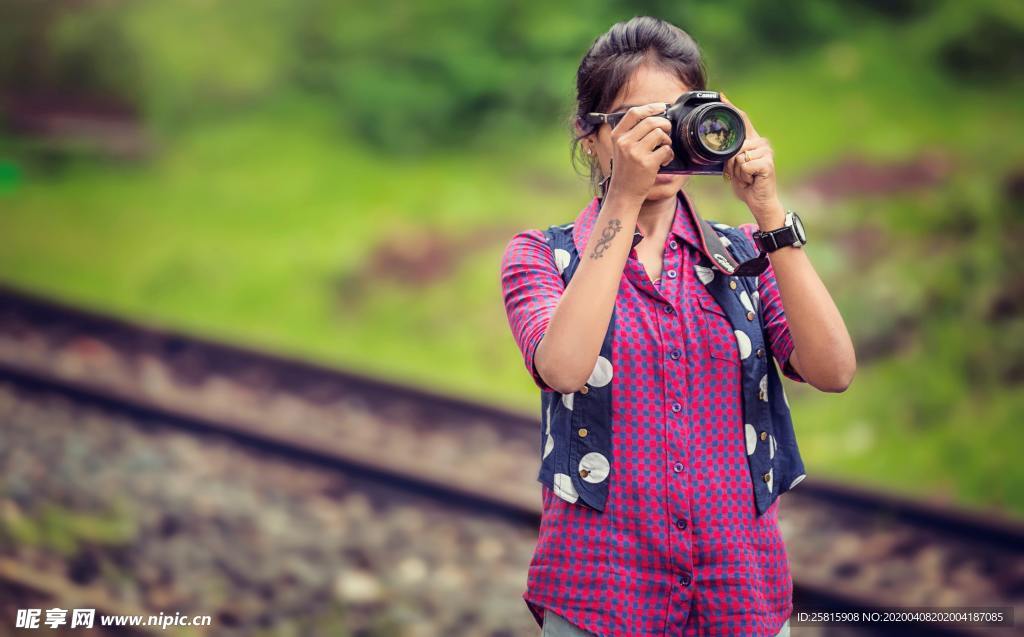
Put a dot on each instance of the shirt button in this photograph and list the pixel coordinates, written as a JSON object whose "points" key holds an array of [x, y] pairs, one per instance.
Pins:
{"points": [[750, 316], [764, 435], [732, 285], [677, 467], [676, 407], [583, 432], [681, 523], [671, 274], [673, 244], [675, 354], [584, 389], [760, 352], [685, 578], [669, 309]]}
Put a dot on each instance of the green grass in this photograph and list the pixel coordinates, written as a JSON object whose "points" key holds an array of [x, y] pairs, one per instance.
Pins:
{"points": [[248, 227]]}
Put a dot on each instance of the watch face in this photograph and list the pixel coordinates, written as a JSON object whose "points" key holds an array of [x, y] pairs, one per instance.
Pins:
{"points": [[799, 227]]}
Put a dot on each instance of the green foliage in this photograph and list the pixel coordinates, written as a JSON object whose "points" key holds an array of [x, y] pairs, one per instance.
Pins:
{"points": [[299, 138], [411, 76]]}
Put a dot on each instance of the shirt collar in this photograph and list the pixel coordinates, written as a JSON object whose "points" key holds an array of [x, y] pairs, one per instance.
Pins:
{"points": [[684, 224]]}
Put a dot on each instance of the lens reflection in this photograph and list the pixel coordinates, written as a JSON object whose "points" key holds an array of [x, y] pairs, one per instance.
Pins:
{"points": [[718, 130]]}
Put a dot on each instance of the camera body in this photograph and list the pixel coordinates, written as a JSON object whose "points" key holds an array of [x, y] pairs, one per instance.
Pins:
{"points": [[706, 132]]}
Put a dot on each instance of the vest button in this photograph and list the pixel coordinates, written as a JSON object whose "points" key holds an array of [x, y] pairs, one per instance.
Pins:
{"points": [[584, 472], [760, 395], [732, 285], [766, 477], [584, 389], [760, 352], [583, 432], [764, 435], [750, 316]]}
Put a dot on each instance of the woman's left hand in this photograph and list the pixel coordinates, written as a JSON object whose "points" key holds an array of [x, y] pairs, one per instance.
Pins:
{"points": [[752, 172]]}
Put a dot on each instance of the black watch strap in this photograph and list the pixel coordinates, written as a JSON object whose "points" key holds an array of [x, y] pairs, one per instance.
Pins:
{"points": [[787, 235], [775, 239]]}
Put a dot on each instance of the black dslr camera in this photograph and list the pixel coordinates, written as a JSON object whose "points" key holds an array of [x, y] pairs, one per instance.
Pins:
{"points": [[706, 132]]}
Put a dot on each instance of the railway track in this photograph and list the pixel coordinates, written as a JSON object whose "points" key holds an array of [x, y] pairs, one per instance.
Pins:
{"points": [[166, 519], [849, 548]]}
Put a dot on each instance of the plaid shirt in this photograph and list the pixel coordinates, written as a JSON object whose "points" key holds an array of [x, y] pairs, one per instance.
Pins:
{"points": [[678, 547]]}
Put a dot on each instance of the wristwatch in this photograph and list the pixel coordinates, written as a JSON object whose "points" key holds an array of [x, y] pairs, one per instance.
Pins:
{"points": [[790, 234]]}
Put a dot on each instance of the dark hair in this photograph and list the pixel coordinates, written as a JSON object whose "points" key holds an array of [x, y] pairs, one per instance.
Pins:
{"points": [[612, 59]]}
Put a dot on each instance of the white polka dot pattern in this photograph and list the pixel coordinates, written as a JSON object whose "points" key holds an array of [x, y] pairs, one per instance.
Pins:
{"points": [[549, 442], [751, 438], [704, 273], [745, 300], [602, 374], [561, 259], [743, 341], [596, 465], [563, 488]]}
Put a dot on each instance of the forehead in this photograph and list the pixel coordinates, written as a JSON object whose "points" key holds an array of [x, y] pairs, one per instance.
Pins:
{"points": [[648, 83]]}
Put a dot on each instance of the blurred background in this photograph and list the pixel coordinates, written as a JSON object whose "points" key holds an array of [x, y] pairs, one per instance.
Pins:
{"points": [[336, 182]]}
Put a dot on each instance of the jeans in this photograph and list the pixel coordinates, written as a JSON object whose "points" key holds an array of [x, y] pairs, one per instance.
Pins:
{"points": [[557, 626]]}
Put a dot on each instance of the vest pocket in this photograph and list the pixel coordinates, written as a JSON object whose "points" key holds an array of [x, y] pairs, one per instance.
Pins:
{"points": [[719, 337]]}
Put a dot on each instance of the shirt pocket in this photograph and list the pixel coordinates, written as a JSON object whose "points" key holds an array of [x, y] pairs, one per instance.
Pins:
{"points": [[719, 337]]}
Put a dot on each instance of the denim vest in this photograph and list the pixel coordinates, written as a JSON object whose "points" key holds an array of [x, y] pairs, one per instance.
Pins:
{"points": [[581, 470]]}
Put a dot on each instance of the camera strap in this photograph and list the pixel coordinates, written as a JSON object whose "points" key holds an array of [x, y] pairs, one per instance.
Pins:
{"points": [[721, 257]]}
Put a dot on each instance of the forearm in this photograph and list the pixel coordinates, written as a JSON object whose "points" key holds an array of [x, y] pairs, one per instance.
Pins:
{"points": [[566, 355], [826, 355]]}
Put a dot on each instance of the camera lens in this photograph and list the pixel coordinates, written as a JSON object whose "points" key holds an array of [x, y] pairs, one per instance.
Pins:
{"points": [[718, 130], [711, 133]]}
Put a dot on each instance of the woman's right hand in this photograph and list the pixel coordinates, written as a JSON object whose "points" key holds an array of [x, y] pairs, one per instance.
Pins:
{"points": [[641, 144]]}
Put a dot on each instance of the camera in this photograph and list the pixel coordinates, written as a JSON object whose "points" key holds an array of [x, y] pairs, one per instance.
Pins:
{"points": [[706, 132]]}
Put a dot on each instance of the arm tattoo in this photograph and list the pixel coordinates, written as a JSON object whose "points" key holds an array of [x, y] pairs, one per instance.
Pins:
{"points": [[606, 237]]}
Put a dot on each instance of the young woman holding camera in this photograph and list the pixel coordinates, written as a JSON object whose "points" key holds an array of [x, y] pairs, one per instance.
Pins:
{"points": [[666, 437]]}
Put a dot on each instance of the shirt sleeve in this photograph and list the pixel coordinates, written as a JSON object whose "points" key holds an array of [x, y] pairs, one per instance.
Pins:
{"points": [[770, 305], [531, 286]]}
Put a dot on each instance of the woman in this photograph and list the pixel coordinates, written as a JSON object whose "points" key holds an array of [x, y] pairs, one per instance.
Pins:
{"points": [[678, 546]]}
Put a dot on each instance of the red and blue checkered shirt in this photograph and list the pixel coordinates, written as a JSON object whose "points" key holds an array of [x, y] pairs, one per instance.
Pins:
{"points": [[679, 548]]}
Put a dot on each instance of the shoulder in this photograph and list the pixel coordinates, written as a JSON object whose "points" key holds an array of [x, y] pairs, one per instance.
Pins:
{"points": [[746, 229], [527, 246], [532, 239], [743, 232]]}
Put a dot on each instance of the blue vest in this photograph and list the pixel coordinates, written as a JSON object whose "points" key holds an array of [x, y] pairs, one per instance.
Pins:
{"points": [[581, 470]]}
